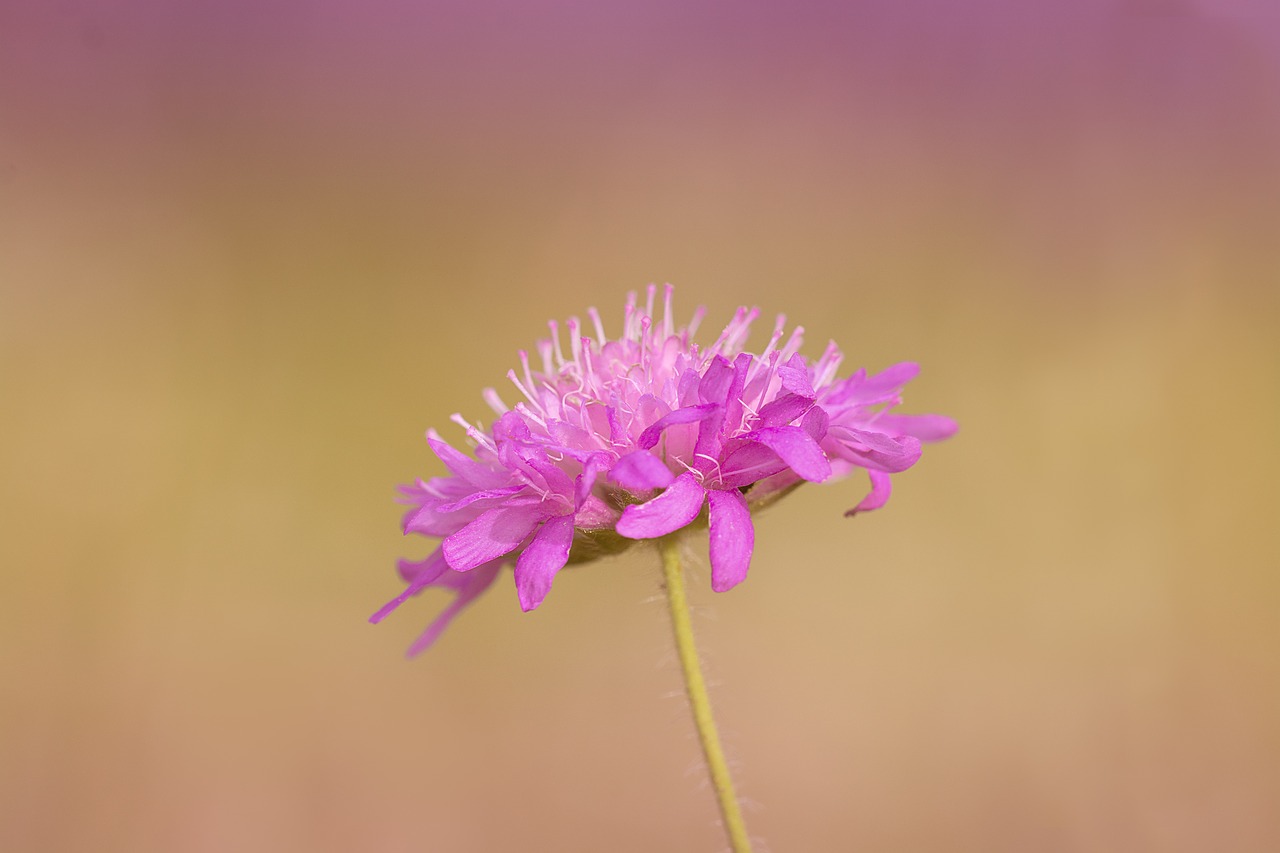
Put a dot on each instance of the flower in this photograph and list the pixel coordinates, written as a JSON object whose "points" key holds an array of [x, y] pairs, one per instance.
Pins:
{"points": [[631, 438]]}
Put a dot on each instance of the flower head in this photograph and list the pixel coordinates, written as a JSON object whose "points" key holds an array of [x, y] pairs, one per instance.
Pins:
{"points": [[617, 440]]}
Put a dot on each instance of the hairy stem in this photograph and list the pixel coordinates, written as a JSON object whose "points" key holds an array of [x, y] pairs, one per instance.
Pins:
{"points": [[696, 687]]}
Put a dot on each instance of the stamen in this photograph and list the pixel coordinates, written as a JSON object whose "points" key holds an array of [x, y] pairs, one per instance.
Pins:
{"points": [[575, 341], [555, 344], [668, 318], [825, 369], [595, 319], [694, 322], [628, 314], [495, 402], [793, 344]]}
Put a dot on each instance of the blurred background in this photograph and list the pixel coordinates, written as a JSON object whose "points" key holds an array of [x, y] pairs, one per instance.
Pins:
{"points": [[250, 252]]}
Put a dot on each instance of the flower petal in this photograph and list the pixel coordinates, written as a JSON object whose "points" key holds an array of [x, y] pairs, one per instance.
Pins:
{"points": [[481, 495], [783, 411], [887, 383], [667, 513], [419, 576], [493, 533], [795, 377], [595, 465], [474, 583], [816, 422], [687, 415], [541, 559], [641, 470], [860, 389], [733, 538], [876, 450], [797, 448], [464, 466], [881, 487], [923, 427], [746, 463]]}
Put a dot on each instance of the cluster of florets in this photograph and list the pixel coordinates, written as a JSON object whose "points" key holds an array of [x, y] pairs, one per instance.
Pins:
{"points": [[641, 436]]}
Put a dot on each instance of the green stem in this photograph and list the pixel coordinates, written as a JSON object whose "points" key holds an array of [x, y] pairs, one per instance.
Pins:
{"points": [[696, 687]]}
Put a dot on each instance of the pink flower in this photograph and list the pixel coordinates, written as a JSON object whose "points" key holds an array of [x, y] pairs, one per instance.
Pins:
{"points": [[627, 439]]}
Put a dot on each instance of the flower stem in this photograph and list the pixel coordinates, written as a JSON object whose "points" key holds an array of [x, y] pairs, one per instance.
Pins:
{"points": [[696, 687]]}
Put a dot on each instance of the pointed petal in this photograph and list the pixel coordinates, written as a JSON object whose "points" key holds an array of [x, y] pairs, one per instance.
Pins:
{"points": [[595, 514], [923, 427], [423, 575], [783, 410], [733, 538], [748, 463], [464, 466], [795, 447], [541, 559], [433, 565], [816, 422], [887, 383], [667, 513], [714, 386], [474, 584], [860, 389], [877, 450], [881, 486], [687, 415], [492, 534], [795, 377], [481, 495], [641, 470], [595, 465], [556, 479]]}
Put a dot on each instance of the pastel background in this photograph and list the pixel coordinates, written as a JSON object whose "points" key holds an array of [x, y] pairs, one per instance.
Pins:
{"points": [[249, 252]]}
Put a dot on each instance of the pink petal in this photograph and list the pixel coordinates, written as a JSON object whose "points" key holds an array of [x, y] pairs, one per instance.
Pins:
{"points": [[541, 559], [747, 463], [556, 479], [594, 514], [716, 381], [797, 448], [464, 466], [492, 534], [667, 513], [783, 410], [572, 437], [923, 427], [595, 465], [641, 470], [482, 495], [424, 574], [732, 538], [863, 390], [816, 422], [411, 570], [475, 583], [795, 377], [687, 415], [875, 449], [881, 486], [887, 383]]}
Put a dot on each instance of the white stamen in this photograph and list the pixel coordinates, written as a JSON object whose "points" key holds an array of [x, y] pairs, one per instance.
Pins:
{"points": [[575, 341], [668, 318], [595, 319], [555, 344], [495, 402]]}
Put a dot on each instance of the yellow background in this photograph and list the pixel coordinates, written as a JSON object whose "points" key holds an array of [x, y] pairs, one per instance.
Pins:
{"points": [[249, 253]]}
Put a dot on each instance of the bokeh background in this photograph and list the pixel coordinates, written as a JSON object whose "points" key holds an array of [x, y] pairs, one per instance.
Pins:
{"points": [[249, 252]]}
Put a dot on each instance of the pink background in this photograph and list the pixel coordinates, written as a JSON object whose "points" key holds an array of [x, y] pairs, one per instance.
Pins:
{"points": [[249, 252]]}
